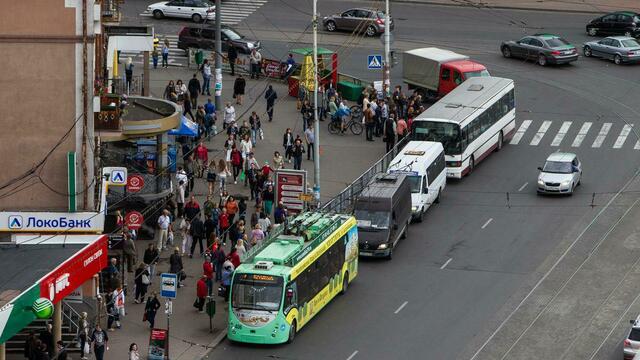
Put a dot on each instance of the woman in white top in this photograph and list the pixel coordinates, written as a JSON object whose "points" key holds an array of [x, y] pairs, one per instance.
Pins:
{"points": [[184, 227], [245, 146], [223, 172], [181, 88], [133, 352], [240, 247], [229, 114]]}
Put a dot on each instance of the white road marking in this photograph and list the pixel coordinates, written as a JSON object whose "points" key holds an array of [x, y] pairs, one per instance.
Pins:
{"points": [[353, 355], [604, 130], [540, 134], [487, 223], [401, 307], [558, 261], [623, 136], [581, 134], [445, 264], [523, 186], [637, 146], [564, 128], [521, 130]]}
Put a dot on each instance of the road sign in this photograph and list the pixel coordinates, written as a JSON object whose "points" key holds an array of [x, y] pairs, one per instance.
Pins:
{"points": [[135, 183], [289, 185], [374, 62], [306, 197], [168, 285], [133, 220]]}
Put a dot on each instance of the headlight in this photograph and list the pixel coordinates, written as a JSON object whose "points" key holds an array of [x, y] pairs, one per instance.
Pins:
{"points": [[414, 208], [382, 246], [250, 45], [540, 182], [565, 183]]}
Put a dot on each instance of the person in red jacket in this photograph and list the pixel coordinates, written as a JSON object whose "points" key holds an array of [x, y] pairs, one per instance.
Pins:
{"points": [[224, 225], [202, 159], [201, 292], [207, 268], [234, 257]]}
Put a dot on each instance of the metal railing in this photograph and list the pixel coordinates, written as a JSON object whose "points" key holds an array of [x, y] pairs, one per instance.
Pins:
{"points": [[343, 202], [121, 87], [110, 11]]}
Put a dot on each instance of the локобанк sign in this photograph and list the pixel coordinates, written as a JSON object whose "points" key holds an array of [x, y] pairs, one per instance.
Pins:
{"points": [[33, 221], [72, 273]]}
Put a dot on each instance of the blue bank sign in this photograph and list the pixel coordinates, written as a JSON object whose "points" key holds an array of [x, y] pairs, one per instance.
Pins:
{"points": [[86, 222]]}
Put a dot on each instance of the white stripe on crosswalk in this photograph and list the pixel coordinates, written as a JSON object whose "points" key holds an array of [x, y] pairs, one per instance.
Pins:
{"points": [[604, 130], [581, 134], [540, 134], [521, 130], [564, 128], [623, 136], [637, 145]]}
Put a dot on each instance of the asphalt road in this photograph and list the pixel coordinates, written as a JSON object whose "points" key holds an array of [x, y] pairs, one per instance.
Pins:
{"points": [[479, 262]]}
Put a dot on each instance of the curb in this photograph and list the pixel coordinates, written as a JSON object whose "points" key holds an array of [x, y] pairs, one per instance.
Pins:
{"points": [[499, 7], [216, 341]]}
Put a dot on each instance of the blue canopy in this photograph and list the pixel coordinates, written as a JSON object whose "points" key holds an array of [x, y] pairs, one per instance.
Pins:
{"points": [[186, 128]]}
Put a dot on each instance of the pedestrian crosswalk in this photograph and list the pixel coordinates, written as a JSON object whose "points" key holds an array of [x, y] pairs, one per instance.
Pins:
{"points": [[233, 12], [575, 134], [177, 57]]}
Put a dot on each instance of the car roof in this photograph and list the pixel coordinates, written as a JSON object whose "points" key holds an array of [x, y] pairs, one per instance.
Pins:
{"points": [[546, 36], [561, 157], [621, 38]]}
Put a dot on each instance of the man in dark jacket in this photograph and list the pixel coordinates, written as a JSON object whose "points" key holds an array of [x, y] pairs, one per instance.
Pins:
{"points": [[194, 90], [232, 55], [297, 151], [389, 133], [175, 264], [150, 258], [210, 226], [271, 97], [62, 351], [192, 208], [197, 232], [287, 143]]}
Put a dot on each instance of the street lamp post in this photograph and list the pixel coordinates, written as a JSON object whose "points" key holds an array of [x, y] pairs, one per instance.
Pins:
{"points": [[387, 53], [218, 71], [316, 122]]}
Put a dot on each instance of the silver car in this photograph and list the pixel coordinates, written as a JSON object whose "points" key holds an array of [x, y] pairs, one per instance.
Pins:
{"points": [[620, 49], [631, 344], [369, 21], [560, 174]]}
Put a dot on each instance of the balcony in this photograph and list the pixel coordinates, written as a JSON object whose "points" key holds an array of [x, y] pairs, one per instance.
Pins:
{"points": [[122, 118], [111, 13]]}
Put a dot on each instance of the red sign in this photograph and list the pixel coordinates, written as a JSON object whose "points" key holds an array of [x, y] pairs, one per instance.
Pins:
{"points": [[135, 183], [158, 344], [289, 185], [274, 68], [72, 273], [133, 220]]}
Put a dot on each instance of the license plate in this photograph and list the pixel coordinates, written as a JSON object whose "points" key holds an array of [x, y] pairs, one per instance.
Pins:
{"points": [[568, 52], [366, 253]]}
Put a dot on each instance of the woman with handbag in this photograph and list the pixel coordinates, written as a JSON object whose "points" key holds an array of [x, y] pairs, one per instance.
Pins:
{"points": [[151, 308], [142, 280]]}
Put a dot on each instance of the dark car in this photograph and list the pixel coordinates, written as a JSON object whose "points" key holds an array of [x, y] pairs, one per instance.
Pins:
{"points": [[620, 49], [625, 23], [542, 48], [369, 21], [205, 38]]}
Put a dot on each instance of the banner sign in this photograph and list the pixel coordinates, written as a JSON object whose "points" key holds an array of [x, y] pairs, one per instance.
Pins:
{"points": [[290, 184], [158, 344], [34, 221], [72, 273]]}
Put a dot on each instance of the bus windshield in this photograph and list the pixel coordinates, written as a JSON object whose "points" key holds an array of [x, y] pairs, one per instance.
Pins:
{"points": [[446, 133], [257, 292], [414, 182], [372, 219]]}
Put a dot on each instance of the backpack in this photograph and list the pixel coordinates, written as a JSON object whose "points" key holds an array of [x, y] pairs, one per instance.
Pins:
{"points": [[236, 158]]}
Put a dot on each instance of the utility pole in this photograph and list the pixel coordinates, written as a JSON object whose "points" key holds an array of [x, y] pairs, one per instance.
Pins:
{"points": [[316, 122], [218, 72], [386, 78]]}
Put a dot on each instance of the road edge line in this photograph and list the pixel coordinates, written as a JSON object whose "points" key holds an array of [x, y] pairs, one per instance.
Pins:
{"points": [[216, 341]]}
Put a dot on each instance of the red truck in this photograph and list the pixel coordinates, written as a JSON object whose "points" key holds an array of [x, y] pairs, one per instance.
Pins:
{"points": [[435, 72]]}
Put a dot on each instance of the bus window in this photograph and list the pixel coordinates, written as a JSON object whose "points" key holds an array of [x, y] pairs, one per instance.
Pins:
{"points": [[425, 185], [290, 298]]}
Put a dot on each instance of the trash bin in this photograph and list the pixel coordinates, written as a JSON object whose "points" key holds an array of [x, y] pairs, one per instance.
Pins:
{"points": [[199, 57], [349, 90]]}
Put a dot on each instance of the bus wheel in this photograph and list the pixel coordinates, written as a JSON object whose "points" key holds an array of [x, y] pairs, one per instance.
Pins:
{"points": [[292, 332], [406, 232], [421, 216], [345, 283], [472, 164], [437, 200], [499, 147]]}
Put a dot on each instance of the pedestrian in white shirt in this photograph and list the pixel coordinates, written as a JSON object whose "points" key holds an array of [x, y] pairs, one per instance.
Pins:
{"points": [[229, 114], [246, 146], [164, 222]]}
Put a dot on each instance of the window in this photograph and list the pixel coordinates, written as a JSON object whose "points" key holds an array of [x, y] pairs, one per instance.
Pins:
{"points": [[446, 74], [525, 41], [624, 18], [363, 14], [190, 3], [609, 18], [436, 168], [557, 42], [457, 78], [536, 42], [615, 43], [195, 32], [176, 3], [634, 335], [208, 34], [606, 42], [630, 43], [349, 13]]}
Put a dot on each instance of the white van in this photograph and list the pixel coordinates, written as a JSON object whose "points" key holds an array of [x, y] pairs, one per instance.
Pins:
{"points": [[424, 163]]}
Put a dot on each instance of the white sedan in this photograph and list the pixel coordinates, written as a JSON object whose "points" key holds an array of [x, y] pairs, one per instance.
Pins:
{"points": [[196, 10], [561, 174]]}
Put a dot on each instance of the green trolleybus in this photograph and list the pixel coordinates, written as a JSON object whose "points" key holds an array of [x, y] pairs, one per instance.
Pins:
{"points": [[287, 279]]}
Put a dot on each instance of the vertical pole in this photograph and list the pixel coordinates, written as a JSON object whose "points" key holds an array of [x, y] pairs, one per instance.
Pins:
{"points": [[2, 352], [169, 309], [145, 74], [316, 122], [218, 72], [57, 322], [386, 78]]}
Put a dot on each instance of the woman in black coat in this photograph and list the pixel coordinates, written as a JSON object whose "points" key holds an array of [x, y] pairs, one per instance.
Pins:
{"points": [[238, 89], [141, 279], [175, 264], [151, 308]]}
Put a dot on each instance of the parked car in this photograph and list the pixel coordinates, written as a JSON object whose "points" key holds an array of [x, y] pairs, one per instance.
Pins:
{"points": [[196, 10], [620, 49], [205, 38], [625, 23], [371, 21], [542, 48], [631, 344], [561, 174]]}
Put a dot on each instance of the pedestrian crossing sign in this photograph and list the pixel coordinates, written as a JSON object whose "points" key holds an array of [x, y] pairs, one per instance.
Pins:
{"points": [[374, 62]]}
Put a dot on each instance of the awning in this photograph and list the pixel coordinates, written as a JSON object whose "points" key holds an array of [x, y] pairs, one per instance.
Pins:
{"points": [[186, 128]]}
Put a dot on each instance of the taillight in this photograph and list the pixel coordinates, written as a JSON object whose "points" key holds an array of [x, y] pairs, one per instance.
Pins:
{"points": [[454, 163], [380, 21], [627, 343], [555, 52]]}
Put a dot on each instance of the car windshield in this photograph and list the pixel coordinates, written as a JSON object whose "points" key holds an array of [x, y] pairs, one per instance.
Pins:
{"points": [[415, 182], [204, 3], [478, 73], [446, 133], [630, 43], [256, 292], [634, 335], [372, 219], [557, 42], [557, 167], [232, 35], [380, 15]]}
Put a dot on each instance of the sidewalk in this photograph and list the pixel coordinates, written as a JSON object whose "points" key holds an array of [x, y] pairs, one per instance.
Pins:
{"points": [[585, 6], [344, 158]]}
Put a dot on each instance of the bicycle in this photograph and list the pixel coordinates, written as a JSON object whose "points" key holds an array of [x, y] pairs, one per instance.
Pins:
{"points": [[356, 111], [354, 125]]}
